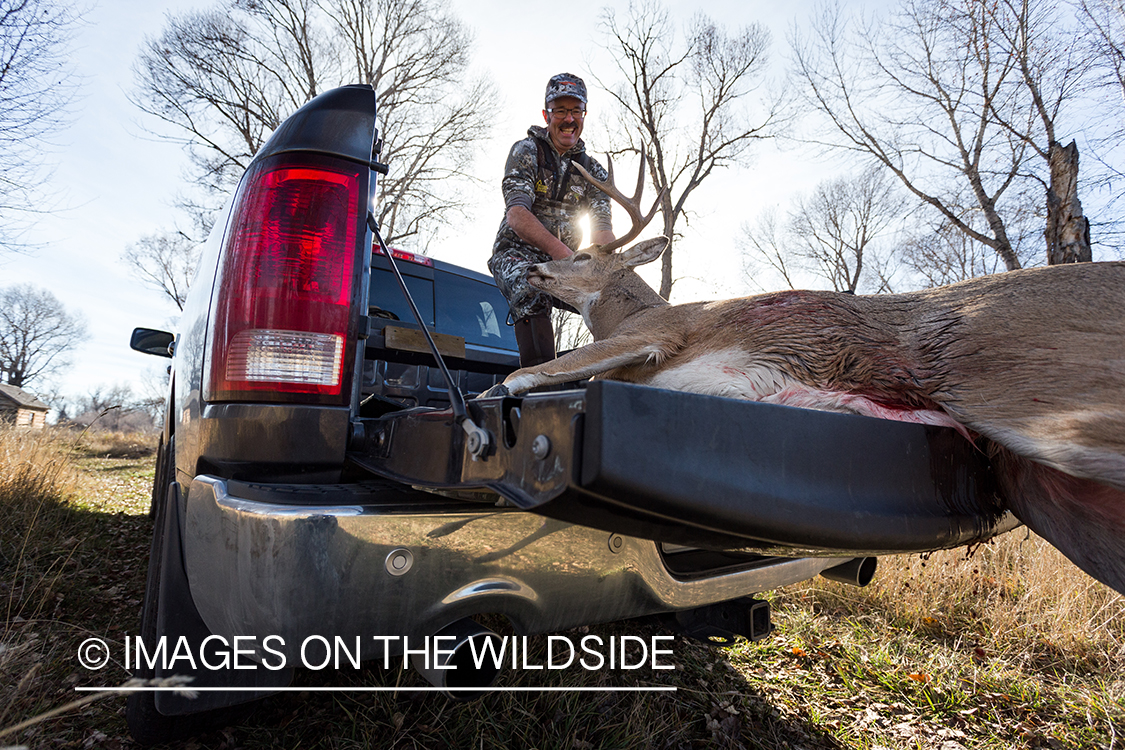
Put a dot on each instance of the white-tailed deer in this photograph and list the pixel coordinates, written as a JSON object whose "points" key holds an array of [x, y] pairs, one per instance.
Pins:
{"points": [[1030, 364]]}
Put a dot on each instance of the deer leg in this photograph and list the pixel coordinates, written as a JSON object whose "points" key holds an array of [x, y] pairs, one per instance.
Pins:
{"points": [[580, 364]]}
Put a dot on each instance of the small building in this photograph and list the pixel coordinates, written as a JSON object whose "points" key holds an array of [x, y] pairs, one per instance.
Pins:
{"points": [[22, 408]]}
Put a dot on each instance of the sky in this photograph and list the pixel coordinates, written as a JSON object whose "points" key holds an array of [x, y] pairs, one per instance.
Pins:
{"points": [[116, 183]]}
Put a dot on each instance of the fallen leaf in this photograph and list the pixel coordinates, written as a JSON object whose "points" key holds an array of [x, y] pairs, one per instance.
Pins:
{"points": [[919, 676]]}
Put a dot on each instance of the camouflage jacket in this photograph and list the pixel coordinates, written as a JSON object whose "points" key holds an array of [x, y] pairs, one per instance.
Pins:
{"points": [[553, 191]]}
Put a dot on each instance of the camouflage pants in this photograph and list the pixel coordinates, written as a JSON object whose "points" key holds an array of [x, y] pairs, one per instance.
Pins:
{"points": [[509, 268]]}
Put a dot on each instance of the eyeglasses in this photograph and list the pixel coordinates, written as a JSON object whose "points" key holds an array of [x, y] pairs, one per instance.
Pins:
{"points": [[560, 114]]}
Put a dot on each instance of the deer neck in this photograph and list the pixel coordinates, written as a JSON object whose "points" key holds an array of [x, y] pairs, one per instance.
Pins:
{"points": [[625, 296]]}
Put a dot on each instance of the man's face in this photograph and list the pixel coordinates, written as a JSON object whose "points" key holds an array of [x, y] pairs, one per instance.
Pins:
{"points": [[564, 123]]}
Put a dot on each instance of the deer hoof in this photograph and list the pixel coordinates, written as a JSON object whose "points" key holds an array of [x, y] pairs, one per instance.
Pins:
{"points": [[496, 391]]}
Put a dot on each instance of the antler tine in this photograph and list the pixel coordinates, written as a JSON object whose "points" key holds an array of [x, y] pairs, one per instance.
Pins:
{"points": [[629, 204]]}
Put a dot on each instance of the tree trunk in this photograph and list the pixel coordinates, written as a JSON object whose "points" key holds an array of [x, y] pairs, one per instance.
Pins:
{"points": [[1068, 231], [666, 259]]}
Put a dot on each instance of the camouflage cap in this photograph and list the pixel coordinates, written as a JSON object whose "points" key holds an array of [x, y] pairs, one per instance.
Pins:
{"points": [[565, 84]]}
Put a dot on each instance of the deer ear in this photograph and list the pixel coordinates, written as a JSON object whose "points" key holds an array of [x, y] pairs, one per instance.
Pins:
{"points": [[644, 252]]}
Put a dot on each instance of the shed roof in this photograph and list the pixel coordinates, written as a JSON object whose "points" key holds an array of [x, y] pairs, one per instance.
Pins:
{"points": [[21, 398]]}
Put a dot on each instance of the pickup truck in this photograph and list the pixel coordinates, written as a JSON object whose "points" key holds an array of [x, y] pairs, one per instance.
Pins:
{"points": [[325, 470]]}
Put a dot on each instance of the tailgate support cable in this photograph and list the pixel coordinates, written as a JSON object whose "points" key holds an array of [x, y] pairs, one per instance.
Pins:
{"points": [[478, 439]]}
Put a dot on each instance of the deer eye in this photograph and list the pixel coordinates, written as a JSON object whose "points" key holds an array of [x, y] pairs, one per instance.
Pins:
{"points": [[580, 257]]}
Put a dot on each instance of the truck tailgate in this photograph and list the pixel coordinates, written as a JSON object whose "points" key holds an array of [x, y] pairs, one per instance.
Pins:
{"points": [[704, 471]]}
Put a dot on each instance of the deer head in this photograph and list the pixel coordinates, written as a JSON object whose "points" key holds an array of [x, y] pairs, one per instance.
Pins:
{"points": [[599, 281], [601, 284]]}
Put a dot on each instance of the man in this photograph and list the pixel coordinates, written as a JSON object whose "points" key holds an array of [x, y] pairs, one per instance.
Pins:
{"points": [[544, 196]]}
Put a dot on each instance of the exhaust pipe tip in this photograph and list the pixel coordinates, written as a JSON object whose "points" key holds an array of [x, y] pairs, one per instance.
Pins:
{"points": [[454, 666], [855, 572]]}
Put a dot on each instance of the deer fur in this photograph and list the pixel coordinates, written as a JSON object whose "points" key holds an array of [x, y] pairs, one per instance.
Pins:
{"points": [[1030, 364]]}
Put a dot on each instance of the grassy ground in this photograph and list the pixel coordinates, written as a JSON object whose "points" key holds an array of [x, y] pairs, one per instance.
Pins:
{"points": [[1009, 646]]}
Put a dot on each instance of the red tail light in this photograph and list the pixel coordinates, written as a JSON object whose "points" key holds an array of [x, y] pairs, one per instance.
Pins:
{"points": [[282, 310], [421, 260]]}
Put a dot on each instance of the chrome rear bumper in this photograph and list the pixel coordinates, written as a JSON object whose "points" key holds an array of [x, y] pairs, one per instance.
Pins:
{"points": [[389, 567]]}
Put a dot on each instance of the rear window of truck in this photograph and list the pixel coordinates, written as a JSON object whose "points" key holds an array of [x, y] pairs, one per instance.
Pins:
{"points": [[451, 304]]}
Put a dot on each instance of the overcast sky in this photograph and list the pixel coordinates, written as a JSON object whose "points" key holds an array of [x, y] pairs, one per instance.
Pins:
{"points": [[117, 183]]}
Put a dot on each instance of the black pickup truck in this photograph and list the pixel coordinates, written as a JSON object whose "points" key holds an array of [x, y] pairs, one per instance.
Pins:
{"points": [[320, 475]]}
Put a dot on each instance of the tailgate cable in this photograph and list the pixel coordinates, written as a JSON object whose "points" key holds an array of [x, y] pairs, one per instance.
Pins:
{"points": [[478, 438]]}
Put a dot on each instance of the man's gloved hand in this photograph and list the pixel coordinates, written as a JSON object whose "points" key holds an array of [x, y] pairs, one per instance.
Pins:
{"points": [[496, 391]]}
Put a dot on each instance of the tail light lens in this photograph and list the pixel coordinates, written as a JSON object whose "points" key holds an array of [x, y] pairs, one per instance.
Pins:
{"points": [[281, 315]]}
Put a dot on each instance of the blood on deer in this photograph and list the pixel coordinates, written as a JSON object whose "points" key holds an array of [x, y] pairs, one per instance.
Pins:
{"points": [[1028, 364]]}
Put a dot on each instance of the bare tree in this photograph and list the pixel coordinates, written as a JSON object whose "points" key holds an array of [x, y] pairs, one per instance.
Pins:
{"points": [[833, 232], [923, 93], [1052, 65], [152, 393], [36, 86], [765, 246], [686, 106], [1105, 20], [225, 78], [36, 334], [112, 409], [570, 331], [940, 255], [164, 261], [968, 97], [1105, 24]]}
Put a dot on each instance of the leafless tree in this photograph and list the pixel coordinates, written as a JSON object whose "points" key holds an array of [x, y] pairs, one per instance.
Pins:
{"points": [[928, 94], [36, 334], [152, 393], [1105, 24], [112, 408], [765, 246], [686, 105], [1052, 65], [164, 261], [833, 232], [942, 254], [36, 87], [570, 331], [1105, 20], [223, 79]]}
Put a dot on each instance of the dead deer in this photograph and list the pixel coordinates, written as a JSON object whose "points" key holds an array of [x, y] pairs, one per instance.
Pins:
{"points": [[1030, 364]]}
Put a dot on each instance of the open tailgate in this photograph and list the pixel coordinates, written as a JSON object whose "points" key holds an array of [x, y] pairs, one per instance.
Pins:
{"points": [[703, 470]]}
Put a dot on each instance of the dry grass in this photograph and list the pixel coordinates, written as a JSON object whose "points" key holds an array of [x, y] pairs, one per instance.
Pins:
{"points": [[35, 467], [1017, 591], [106, 444], [70, 563], [1009, 647], [36, 476]]}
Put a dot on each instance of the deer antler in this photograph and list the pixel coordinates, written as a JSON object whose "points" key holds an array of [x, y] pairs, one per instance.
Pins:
{"points": [[629, 204]]}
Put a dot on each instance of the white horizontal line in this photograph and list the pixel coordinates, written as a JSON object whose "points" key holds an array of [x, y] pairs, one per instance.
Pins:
{"points": [[188, 688]]}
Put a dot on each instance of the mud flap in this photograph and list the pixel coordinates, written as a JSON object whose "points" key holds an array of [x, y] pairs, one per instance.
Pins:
{"points": [[182, 630]]}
